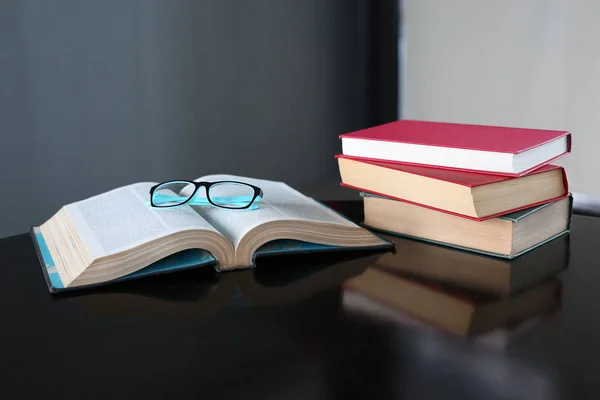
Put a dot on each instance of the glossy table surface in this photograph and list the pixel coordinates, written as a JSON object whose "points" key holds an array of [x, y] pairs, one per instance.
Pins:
{"points": [[288, 335]]}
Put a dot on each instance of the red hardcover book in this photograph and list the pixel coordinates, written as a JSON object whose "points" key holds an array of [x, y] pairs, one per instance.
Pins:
{"points": [[466, 194], [490, 149]]}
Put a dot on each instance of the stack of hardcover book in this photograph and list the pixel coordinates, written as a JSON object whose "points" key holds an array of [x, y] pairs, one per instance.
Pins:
{"points": [[485, 189]]}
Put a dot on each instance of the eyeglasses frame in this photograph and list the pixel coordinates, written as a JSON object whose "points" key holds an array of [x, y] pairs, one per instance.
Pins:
{"points": [[207, 185]]}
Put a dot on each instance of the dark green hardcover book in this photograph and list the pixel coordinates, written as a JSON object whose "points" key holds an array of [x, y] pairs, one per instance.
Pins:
{"points": [[508, 236]]}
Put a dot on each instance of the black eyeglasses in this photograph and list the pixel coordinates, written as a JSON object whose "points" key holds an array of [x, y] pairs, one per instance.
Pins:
{"points": [[224, 194]]}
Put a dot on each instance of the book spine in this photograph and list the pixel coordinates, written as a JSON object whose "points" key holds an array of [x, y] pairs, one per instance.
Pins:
{"points": [[570, 213], [565, 180], [40, 258]]}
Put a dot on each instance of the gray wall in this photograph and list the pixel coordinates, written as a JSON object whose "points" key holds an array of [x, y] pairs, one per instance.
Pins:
{"points": [[97, 94]]}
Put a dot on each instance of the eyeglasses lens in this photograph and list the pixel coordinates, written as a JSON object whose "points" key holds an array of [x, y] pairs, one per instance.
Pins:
{"points": [[172, 193], [231, 195]]}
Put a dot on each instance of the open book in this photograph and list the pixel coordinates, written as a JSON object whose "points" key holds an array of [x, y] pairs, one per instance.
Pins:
{"points": [[118, 235]]}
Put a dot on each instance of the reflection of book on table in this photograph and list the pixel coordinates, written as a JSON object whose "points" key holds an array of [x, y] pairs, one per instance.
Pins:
{"points": [[118, 235], [451, 309], [499, 338], [196, 293], [474, 271], [280, 286]]}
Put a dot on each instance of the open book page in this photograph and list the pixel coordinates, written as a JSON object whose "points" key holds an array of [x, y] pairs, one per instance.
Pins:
{"points": [[123, 218], [280, 202]]}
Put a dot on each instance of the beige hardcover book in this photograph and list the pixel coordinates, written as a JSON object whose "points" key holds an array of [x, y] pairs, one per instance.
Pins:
{"points": [[468, 194]]}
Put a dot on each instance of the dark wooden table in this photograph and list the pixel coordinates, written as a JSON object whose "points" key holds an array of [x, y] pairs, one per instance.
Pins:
{"points": [[187, 336]]}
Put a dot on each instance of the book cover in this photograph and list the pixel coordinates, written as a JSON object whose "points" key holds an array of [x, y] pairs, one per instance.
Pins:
{"points": [[514, 217], [463, 136], [462, 178], [494, 139]]}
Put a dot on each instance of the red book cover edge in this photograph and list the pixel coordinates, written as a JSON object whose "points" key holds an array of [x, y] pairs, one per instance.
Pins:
{"points": [[457, 214], [493, 178]]}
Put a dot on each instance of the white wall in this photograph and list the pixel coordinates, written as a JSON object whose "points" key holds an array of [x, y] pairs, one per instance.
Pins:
{"points": [[529, 63]]}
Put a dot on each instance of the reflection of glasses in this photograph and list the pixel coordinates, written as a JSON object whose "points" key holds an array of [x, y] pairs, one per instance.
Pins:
{"points": [[224, 194]]}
